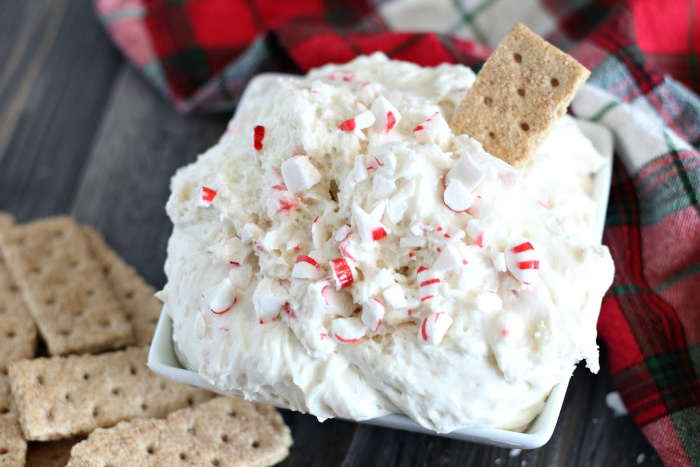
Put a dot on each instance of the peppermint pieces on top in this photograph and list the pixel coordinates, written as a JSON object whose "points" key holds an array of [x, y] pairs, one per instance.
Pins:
{"points": [[399, 248], [299, 174]]}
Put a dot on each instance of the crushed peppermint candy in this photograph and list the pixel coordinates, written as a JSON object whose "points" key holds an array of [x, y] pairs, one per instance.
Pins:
{"points": [[348, 330], [369, 228], [206, 196], [386, 115], [372, 314], [434, 328], [268, 299], [522, 260], [428, 281], [341, 272], [360, 122], [258, 136], [305, 267], [434, 130], [221, 297], [299, 173]]}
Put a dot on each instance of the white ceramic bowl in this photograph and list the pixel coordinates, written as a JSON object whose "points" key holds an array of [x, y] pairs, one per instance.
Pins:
{"points": [[162, 359]]}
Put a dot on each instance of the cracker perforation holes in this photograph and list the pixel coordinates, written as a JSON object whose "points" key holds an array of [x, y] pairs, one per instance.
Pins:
{"points": [[162, 385], [90, 292], [492, 134], [488, 101], [116, 391], [40, 380], [68, 397], [191, 430], [215, 462], [86, 376], [518, 58], [255, 444], [521, 92], [231, 413], [190, 401], [4, 451], [554, 82], [50, 300], [129, 294], [183, 456], [150, 449], [95, 412], [104, 323], [10, 334], [224, 438], [49, 415], [4, 410], [64, 332], [525, 126], [132, 369], [144, 406]]}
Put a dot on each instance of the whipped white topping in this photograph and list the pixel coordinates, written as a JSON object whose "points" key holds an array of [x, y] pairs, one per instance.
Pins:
{"points": [[391, 265]]}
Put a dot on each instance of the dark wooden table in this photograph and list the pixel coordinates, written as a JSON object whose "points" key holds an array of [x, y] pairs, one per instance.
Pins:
{"points": [[81, 132]]}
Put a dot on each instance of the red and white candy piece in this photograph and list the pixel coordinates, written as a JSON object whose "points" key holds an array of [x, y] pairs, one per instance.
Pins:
{"points": [[347, 330], [372, 314], [457, 197], [319, 233], [299, 173], [434, 328], [385, 114], [433, 130], [221, 297], [419, 228], [230, 250], [206, 196], [522, 260], [369, 228], [342, 273], [395, 297], [428, 281], [476, 231], [488, 301], [268, 299], [360, 122], [305, 267], [258, 137], [449, 259]]}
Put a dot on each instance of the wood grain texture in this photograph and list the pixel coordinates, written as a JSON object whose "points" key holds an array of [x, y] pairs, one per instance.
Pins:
{"points": [[91, 137]]}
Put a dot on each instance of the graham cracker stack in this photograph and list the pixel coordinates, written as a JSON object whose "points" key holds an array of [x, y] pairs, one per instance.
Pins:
{"points": [[64, 286], [13, 447], [523, 88], [17, 329], [136, 297], [61, 397], [226, 431]]}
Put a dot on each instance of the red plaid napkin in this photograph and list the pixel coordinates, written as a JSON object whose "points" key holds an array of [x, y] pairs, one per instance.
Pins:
{"points": [[202, 53]]}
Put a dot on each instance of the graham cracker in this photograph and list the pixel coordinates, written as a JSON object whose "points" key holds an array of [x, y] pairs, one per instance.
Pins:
{"points": [[523, 88], [17, 329], [65, 288], [50, 453], [13, 447], [136, 297], [61, 397], [225, 431]]}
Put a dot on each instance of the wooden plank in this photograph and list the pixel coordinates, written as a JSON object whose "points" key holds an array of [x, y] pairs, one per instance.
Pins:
{"points": [[58, 69], [140, 144]]}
